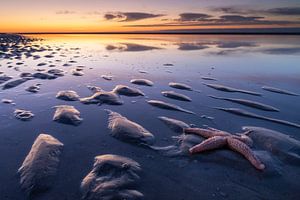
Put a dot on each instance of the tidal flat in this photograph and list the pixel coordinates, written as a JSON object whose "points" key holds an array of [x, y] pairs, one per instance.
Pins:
{"points": [[110, 131]]}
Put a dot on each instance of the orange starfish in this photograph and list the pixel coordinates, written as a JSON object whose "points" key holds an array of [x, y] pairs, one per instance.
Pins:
{"points": [[218, 139]]}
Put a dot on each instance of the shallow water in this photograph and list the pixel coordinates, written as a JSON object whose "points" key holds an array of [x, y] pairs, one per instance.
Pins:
{"points": [[243, 62]]}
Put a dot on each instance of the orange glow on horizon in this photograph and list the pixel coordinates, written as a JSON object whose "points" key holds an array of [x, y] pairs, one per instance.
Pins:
{"points": [[43, 16]]}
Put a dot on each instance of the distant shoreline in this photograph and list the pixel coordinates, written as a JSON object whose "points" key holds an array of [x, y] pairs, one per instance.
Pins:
{"points": [[160, 33], [241, 31]]}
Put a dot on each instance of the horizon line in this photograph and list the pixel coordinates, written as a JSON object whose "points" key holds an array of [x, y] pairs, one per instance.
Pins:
{"points": [[159, 33], [273, 31]]}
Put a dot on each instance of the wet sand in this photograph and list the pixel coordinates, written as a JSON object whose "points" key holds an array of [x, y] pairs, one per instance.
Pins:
{"points": [[221, 174]]}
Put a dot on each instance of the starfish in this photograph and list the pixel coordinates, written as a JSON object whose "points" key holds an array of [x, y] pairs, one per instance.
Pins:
{"points": [[218, 139]]}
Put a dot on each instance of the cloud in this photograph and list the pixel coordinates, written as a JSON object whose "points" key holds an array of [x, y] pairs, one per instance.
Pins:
{"points": [[65, 12], [193, 17], [130, 16], [272, 11], [238, 18], [282, 30], [230, 10], [110, 16], [223, 20], [284, 11]]}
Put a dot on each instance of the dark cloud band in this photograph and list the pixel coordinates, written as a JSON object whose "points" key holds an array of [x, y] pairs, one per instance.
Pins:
{"points": [[288, 11], [130, 16], [207, 20]]}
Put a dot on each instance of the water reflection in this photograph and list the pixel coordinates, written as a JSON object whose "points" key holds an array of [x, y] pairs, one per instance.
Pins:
{"points": [[235, 44], [229, 46], [130, 47], [191, 46], [76, 63], [283, 51]]}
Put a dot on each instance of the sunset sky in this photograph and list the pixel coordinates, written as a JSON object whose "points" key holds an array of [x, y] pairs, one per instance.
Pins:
{"points": [[145, 15]]}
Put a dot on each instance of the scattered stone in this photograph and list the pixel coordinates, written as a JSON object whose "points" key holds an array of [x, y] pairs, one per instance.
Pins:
{"points": [[279, 144], [7, 101], [34, 88], [280, 91], [168, 106], [14, 83], [127, 91], [94, 89], [26, 75], [40, 70], [143, 72], [248, 103], [41, 75], [24, 115], [128, 131], [208, 78], [180, 86], [142, 82], [76, 72], [103, 97], [107, 77], [67, 114], [175, 95], [175, 125], [67, 95], [244, 113], [207, 117], [41, 64], [39, 168], [112, 177], [4, 78], [56, 72], [230, 89]]}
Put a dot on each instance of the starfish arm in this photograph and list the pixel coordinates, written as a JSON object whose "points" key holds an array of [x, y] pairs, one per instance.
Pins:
{"points": [[244, 138], [245, 150], [199, 131], [206, 133], [218, 132], [209, 144]]}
